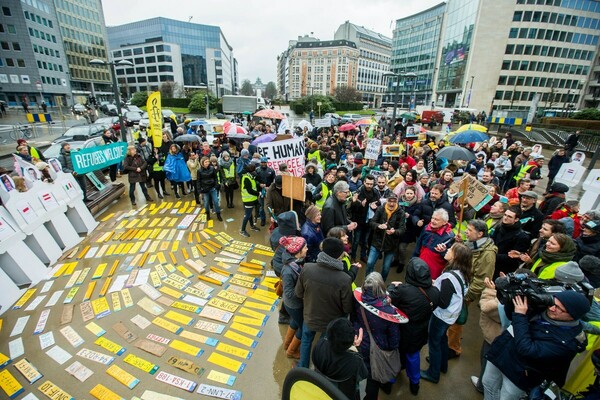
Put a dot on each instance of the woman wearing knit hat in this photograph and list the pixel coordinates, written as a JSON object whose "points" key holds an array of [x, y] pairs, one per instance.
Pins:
{"points": [[295, 250]]}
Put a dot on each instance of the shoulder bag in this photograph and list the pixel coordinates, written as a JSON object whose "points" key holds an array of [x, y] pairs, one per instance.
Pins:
{"points": [[385, 364]]}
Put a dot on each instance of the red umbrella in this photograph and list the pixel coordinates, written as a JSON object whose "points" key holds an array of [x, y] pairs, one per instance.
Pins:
{"points": [[268, 113], [347, 127], [229, 128]]}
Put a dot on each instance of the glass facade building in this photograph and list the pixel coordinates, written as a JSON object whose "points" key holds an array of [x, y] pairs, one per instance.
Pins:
{"points": [[414, 49], [206, 57]]}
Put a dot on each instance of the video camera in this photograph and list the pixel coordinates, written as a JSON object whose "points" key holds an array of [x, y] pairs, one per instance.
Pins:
{"points": [[539, 292]]}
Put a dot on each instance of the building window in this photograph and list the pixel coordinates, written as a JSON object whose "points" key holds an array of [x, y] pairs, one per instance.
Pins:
{"points": [[10, 62], [149, 49], [4, 45], [137, 51], [11, 29], [6, 11], [151, 59], [16, 46]]}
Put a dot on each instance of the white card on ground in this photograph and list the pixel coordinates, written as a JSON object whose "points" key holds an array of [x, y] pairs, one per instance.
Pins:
{"points": [[36, 302], [30, 396], [142, 276], [79, 371], [46, 340], [151, 395], [19, 326], [141, 322], [59, 354], [72, 336], [41, 324], [91, 252], [47, 286], [15, 348], [54, 298], [118, 283]]}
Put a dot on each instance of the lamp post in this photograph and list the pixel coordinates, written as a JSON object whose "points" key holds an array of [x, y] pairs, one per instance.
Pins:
{"points": [[111, 65], [397, 76]]}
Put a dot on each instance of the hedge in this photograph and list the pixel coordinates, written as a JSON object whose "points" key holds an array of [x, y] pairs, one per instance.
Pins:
{"points": [[356, 105], [572, 123], [183, 103]]}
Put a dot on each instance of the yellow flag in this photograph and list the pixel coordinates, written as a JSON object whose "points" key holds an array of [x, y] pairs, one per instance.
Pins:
{"points": [[155, 116]]}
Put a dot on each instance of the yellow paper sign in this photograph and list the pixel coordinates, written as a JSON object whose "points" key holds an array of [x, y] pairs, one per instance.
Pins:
{"points": [[236, 298], [178, 317], [234, 351], [226, 362], [223, 305], [169, 326], [9, 384], [101, 392], [246, 329], [186, 348], [54, 392], [236, 337], [140, 363], [110, 346], [170, 292], [127, 299], [26, 296], [122, 376]]}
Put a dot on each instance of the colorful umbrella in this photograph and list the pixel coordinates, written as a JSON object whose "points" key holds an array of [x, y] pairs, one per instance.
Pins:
{"points": [[267, 137], [469, 136], [347, 127], [407, 115], [198, 122], [233, 128], [268, 113], [474, 127], [366, 121]]}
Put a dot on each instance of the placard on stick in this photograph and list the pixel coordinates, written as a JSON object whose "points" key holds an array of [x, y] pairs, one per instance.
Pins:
{"points": [[293, 187]]}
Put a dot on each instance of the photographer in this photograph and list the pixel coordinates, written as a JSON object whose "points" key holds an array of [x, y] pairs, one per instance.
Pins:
{"points": [[536, 349]]}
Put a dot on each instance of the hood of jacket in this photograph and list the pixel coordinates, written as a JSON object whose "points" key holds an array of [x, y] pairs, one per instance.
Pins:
{"points": [[288, 223], [417, 273], [333, 263], [559, 187], [287, 258]]}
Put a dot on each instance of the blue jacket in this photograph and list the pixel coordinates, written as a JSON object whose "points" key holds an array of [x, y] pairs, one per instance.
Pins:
{"points": [[313, 235], [539, 350], [176, 168]]}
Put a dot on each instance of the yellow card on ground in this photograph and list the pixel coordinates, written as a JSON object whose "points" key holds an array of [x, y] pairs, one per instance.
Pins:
{"points": [[110, 346], [252, 314], [167, 325], [264, 299], [199, 338], [180, 318], [266, 293], [239, 338], [259, 306], [140, 363], [264, 253], [186, 272], [246, 329], [249, 321], [226, 362], [95, 329], [116, 301], [89, 291], [186, 348], [223, 305], [234, 351], [155, 279], [122, 376], [161, 271], [256, 272], [236, 298], [111, 249], [106, 218], [100, 307], [161, 258], [127, 299], [54, 392], [170, 292], [221, 377], [245, 278], [239, 282], [101, 392], [175, 246], [9, 384], [113, 268], [26, 296], [186, 307]]}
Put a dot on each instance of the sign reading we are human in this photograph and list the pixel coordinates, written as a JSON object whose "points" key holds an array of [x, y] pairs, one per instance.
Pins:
{"points": [[289, 151], [98, 157]]}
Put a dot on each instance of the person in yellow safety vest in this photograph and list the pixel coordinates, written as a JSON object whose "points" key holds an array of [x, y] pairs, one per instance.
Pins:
{"points": [[249, 198], [351, 269], [315, 152], [230, 183], [495, 216], [33, 152], [157, 173], [560, 249], [325, 190]]}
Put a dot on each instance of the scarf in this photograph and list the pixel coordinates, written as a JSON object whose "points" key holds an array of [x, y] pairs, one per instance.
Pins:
{"points": [[388, 211], [225, 164], [565, 254], [478, 243], [407, 203]]}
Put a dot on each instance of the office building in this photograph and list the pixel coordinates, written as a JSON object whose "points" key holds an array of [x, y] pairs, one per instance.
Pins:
{"points": [[313, 66], [415, 47], [33, 66], [374, 60], [206, 56], [154, 63]]}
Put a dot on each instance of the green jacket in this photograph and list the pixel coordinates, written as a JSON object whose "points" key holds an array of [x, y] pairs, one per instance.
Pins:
{"points": [[484, 262]]}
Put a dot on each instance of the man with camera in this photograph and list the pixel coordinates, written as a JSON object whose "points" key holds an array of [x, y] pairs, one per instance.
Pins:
{"points": [[538, 346]]}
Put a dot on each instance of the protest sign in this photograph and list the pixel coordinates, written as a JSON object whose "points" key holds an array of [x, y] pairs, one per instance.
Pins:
{"points": [[372, 150], [290, 152], [392, 150], [98, 157], [412, 131], [323, 123]]}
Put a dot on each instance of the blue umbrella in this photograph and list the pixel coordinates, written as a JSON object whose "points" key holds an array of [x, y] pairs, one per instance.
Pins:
{"points": [[469, 136], [198, 122]]}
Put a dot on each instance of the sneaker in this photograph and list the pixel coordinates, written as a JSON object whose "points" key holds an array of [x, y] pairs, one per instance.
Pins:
{"points": [[219, 217], [283, 319], [255, 228], [475, 382], [244, 233]]}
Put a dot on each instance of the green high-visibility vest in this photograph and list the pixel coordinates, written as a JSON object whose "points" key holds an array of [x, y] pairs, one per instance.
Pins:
{"points": [[549, 270], [523, 171], [247, 197], [324, 196], [230, 172]]}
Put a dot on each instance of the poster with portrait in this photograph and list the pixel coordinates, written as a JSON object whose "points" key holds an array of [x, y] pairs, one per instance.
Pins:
{"points": [[31, 174], [7, 183], [536, 150], [55, 165], [578, 157]]}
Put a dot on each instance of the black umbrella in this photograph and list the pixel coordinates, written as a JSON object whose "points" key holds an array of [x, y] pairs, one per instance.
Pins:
{"points": [[455, 153]]}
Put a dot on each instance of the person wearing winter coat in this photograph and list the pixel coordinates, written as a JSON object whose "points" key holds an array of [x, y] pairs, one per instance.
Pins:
{"points": [[417, 298], [554, 196], [410, 205], [383, 331], [362, 209], [295, 250], [387, 225], [569, 209], [193, 165], [588, 244], [312, 233], [509, 236], [559, 158], [135, 166], [250, 192], [230, 183], [326, 291], [334, 210], [275, 202], [208, 184], [311, 175], [433, 241], [439, 199], [176, 170], [453, 285], [64, 158], [156, 162]]}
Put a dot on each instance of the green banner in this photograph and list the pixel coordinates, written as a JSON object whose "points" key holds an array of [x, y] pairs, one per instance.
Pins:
{"points": [[98, 157]]}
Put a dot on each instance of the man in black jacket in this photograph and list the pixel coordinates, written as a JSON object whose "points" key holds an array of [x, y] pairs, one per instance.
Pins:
{"points": [[334, 210], [363, 206], [571, 143], [509, 236], [264, 176], [554, 165], [531, 216], [438, 199]]}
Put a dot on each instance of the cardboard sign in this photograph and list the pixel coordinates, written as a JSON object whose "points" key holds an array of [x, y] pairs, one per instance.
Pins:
{"points": [[294, 187], [289, 151], [185, 365], [150, 347], [372, 150]]}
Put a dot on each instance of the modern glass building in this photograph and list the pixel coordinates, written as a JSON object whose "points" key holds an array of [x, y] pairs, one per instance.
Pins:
{"points": [[206, 57], [33, 66], [414, 49]]}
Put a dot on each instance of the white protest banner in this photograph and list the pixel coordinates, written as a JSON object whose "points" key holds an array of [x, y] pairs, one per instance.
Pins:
{"points": [[323, 123], [372, 150], [289, 151]]}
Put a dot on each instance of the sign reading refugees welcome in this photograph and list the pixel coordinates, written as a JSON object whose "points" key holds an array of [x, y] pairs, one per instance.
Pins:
{"points": [[98, 157]]}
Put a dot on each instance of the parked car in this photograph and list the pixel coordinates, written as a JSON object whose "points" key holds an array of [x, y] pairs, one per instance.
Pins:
{"points": [[54, 150], [351, 118], [133, 108], [220, 116], [113, 122], [110, 109], [82, 132], [335, 118], [145, 122], [131, 118], [78, 109]]}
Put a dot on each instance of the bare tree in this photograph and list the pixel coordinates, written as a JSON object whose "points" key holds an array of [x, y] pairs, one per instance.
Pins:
{"points": [[346, 94], [167, 89]]}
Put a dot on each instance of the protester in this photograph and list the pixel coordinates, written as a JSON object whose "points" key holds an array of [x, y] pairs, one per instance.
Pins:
{"points": [[509, 236], [312, 233], [433, 242], [176, 170], [250, 195], [135, 166], [334, 210], [230, 183]]}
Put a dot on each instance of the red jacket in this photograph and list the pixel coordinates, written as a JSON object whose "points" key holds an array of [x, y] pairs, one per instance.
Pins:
{"points": [[565, 212], [425, 248]]}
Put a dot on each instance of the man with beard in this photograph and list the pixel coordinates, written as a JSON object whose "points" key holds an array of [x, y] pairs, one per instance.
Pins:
{"points": [[382, 190], [531, 217], [437, 199], [362, 209], [509, 236]]}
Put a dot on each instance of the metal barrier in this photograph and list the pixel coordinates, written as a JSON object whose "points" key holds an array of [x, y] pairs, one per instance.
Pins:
{"points": [[12, 133]]}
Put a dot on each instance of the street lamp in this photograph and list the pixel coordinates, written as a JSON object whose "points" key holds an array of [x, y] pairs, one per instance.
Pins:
{"points": [[111, 65], [397, 76]]}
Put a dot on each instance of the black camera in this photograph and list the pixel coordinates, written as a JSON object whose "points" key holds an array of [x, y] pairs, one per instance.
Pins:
{"points": [[540, 293]]}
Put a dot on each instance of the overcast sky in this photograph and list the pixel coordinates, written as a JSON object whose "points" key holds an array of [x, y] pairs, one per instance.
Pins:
{"points": [[259, 30]]}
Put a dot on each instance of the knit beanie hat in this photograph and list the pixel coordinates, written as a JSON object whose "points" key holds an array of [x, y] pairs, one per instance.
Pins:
{"points": [[244, 152], [574, 302], [569, 273], [292, 244], [590, 265], [311, 213], [41, 165], [333, 247], [340, 334]]}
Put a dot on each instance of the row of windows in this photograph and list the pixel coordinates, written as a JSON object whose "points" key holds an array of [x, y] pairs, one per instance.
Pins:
{"points": [[76, 9], [583, 5], [40, 5], [374, 56], [6, 46], [85, 49], [549, 51], [44, 50], [86, 74], [555, 18], [560, 68], [9, 28], [81, 36], [49, 66], [553, 98], [138, 50], [79, 23], [549, 34], [48, 80], [42, 35], [151, 78], [40, 20], [143, 70], [538, 82], [9, 62]]}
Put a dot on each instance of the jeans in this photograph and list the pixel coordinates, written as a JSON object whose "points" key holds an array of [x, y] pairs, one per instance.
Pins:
{"points": [[261, 209], [247, 216], [374, 254], [297, 320], [360, 237], [413, 366], [496, 386], [132, 190], [305, 346], [212, 194], [438, 347], [485, 347]]}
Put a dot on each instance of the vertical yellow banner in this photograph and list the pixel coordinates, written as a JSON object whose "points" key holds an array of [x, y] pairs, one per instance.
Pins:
{"points": [[153, 107]]}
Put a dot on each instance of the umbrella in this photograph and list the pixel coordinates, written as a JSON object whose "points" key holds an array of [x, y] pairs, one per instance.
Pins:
{"points": [[233, 128], [469, 136], [365, 121], [304, 123], [247, 113], [268, 113], [474, 127], [237, 136], [267, 137], [407, 115], [455, 153], [347, 127], [198, 122], [187, 138]]}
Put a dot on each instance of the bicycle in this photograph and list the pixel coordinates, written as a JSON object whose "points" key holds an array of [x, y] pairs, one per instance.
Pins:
{"points": [[21, 131]]}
